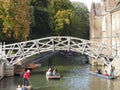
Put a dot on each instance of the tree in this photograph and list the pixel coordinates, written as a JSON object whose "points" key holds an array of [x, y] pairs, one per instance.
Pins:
{"points": [[41, 25], [80, 21], [62, 13], [2, 36], [62, 20], [16, 20]]}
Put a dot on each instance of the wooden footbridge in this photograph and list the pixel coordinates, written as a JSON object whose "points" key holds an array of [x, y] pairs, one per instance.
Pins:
{"points": [[17, 52]]}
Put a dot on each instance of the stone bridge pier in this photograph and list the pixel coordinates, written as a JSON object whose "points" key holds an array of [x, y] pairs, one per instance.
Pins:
{"points": [[6, 69]]}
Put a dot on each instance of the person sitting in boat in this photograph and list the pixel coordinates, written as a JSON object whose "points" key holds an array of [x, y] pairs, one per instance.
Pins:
{"points": [[112, 71], [49, 72], [18, 87], [23, 87], [99, 71], [105, 74], [55, 72]]}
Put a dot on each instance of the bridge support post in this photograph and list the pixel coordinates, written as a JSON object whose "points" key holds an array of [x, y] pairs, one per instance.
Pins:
{"points": [[53, 44], [69, 39]]}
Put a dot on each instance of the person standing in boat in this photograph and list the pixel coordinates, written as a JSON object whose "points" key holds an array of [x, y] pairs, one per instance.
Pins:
{"points": [[112, 71], [26, 78]]}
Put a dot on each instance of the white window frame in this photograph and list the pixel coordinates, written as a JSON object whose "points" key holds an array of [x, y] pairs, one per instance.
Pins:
{"points": [[104, 23]]}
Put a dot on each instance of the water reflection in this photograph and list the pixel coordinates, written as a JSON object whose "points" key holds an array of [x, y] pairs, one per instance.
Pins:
{"points": [[74, 76]]}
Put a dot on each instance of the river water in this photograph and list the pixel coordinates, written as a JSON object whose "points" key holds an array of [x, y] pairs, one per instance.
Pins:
{"points": [[74, 76]]}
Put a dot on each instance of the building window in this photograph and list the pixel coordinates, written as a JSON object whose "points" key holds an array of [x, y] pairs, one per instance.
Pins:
{"points": [[117, 21], [113, 23], [104, 23]]}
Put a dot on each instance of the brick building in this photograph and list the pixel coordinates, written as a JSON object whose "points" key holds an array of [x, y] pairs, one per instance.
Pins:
{"points": [[105, 23]]}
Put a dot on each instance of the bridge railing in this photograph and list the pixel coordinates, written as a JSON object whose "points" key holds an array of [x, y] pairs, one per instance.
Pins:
{"points": [[17, 52]]}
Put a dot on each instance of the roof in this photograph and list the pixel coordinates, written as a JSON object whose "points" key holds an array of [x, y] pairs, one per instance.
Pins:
{"points": [[116, 8]]}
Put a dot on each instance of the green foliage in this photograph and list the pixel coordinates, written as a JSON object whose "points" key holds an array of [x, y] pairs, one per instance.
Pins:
{"points": [[70, 18], [2, 36], [15, 18], [30, 19], [62, 13], [56, 5], [41, 25], [80, 21], [62, 18]]}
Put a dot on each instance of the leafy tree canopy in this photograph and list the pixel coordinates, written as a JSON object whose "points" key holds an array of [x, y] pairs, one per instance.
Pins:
{"points": [[80, 20], [16, 20]]}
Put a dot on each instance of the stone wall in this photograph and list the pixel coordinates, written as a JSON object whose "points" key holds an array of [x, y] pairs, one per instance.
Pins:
{"points": [[110, 4], [9, 70], [6, 69], [105, 25], [2, 65], [94, 62]]}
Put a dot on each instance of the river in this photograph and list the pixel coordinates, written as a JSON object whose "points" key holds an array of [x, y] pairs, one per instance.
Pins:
{"points": [[74, 76]]}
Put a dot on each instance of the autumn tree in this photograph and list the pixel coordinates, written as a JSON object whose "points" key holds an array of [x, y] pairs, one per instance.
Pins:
{"points": [[30, 19], [16, 19], [62, 13]]}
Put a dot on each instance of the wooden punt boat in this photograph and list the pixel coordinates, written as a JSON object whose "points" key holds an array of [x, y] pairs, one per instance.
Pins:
{"points": [[101, 75], [33, 66], [29, 87], [20, 70], [53, 76]]}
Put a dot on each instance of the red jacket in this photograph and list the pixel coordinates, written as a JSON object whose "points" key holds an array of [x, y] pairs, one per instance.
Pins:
{"points": [[26, 75]]}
